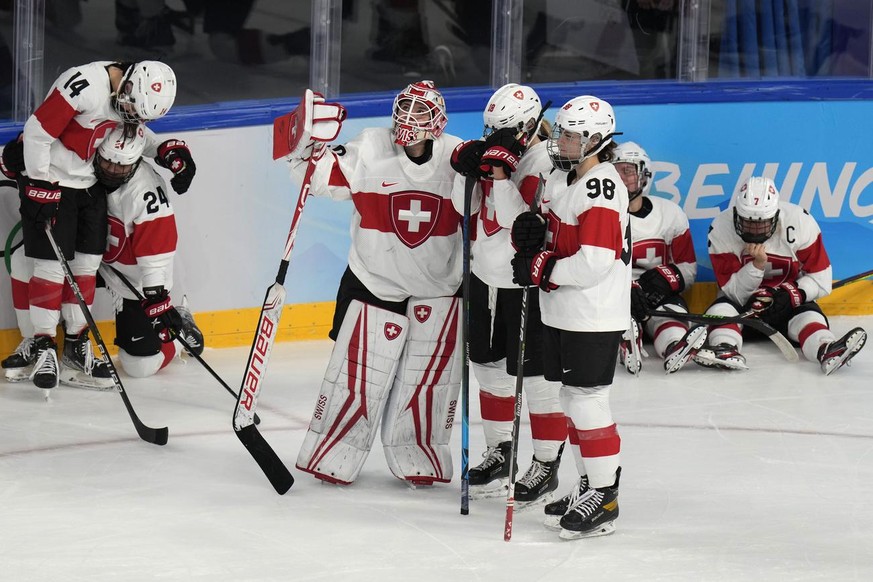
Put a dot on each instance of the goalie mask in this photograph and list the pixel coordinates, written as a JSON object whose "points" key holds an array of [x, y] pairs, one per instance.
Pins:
{"points": [[756, 210], [419, 114], [634, 166], [146, 92], [119, 156], [583, 127], [513, 105]]}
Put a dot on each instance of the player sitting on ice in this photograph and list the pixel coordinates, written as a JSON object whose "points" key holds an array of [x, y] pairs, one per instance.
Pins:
{"points": [[664, 265], [397, 321], [769, 258], [508, 163]]}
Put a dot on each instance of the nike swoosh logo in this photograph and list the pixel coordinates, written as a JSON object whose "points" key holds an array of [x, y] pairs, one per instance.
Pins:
{"points": [[386, 184], [568, 370], [136, 339]]}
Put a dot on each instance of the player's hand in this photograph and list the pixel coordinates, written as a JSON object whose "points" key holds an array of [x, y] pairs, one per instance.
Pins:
{"points": [[166, 321], [639, 305], [534, 268], [12, 160], [174, 155], [467, 156], [660, 282], [41, 200], [502, 149], [758, 254], [529, 231]]}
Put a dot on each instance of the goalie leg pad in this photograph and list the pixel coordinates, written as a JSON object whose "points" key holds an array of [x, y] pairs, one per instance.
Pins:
{"points": [[353, 394], [421, 408]]}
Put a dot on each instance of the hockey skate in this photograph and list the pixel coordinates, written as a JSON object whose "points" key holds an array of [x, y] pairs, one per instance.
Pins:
{"points": [[79, 367], [491, 477], [630, 351], [679, 352], [592, 514], [190, 333], [538, 484], [834, 355], [724, 356], [19, 365], [45, 369], [555, 511]]}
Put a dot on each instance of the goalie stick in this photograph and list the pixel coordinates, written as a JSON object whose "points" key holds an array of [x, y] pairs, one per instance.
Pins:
{"points": [[469, 185], [157, 436], [749, 318], [181, 340], [519, 385]]}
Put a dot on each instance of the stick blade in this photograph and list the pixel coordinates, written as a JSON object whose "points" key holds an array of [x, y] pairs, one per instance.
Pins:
{"points": [[267, 459]]}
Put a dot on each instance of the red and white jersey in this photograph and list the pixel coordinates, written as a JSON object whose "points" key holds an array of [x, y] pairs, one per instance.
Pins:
{"points": [[496, 210], [142, 231], [65, 131], [661, 236], [589, 230], [406, 234], [795, 254]]}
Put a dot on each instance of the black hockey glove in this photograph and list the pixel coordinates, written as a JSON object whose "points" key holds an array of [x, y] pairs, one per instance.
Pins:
{"points": [[534, 268], [502, 149], [166, 321], [639, 307], [174, 155], [776, 305], [467, 156], [660, 283], [12, 160], [529, 231], [40, 201]]}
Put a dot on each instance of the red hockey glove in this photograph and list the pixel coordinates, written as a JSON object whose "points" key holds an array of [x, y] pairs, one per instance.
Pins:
{"points": [[502, 149], [529, 231], [174, 155], [12, 160], [166, 321], [467, 156], [776, 305], [661, 282], [41, 200]]}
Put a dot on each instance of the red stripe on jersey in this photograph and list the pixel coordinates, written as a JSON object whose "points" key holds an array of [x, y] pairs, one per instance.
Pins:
{"points": [[814, 257], [87, 284], [809, 329], [155, 237], [55, 114], [598, 442], [496, 408], [724, 265], [20, 294], [682, 249], [337, 178], [600, 227], [528, 188], [376, 214], [548, 427], [44, 293], [83, 140]]}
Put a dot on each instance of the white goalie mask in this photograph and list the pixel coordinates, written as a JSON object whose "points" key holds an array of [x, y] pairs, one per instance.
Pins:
{"points": [[419, 114], [756, 210], [583, 127], [513, 105], [119, 156], [146, 92], [635, 168]]}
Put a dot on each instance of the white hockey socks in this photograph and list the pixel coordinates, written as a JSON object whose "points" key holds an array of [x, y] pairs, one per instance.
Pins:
{"points": [[353, 394], [421, 410], [593, 434]]}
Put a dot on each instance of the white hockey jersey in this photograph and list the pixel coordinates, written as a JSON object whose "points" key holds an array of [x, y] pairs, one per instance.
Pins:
{"points": [[589, 230], [65, 131], [661, 236], [406, 234], [503, 201], [795, 254], [142, 231]]}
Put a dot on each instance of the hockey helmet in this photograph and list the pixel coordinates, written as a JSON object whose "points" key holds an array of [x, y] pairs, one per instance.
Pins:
{"points": [[513, 105], [634, 166], [146, 92], [756, 210], [583, 127]]}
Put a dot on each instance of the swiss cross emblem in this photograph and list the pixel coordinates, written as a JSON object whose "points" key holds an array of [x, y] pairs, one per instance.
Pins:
{"points": [[595, 105], [156, 86], [518, 94], [392, 330], [414, 215], [422, 312], [116, 238]]}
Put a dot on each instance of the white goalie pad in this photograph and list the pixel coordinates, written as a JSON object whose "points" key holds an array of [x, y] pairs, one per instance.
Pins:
{"points": [[421, 409], [312, 120], [353, 393]]}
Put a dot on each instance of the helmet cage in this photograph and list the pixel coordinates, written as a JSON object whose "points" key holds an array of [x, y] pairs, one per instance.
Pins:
{"points": [[633, 165], [755, 230], [119, 156], [419, 113], [756, 210]]}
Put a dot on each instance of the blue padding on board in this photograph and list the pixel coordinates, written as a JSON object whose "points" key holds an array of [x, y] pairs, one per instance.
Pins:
{"points": [[458, 99]]}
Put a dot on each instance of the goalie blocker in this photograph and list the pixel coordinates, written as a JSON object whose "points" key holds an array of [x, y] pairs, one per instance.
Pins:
{"points": [[403, 370]]}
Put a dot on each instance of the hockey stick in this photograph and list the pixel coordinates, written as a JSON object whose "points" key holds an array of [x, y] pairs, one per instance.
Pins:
{"points": [[749, 318], [469, 185], [852, 279], [519, 385], [259, 356], [181, 340], [157, 436]]}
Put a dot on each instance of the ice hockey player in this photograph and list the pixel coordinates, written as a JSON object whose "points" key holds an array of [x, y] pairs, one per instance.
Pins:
{"points": [[584, 276], [59, 188], [508, 163], [664, 265], [768, 257], [397, 322]]}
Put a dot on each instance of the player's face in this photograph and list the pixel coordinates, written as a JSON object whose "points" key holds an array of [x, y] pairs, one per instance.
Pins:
{"points": [[630, 175], [416, 111], [570, 144], [113, 174]]}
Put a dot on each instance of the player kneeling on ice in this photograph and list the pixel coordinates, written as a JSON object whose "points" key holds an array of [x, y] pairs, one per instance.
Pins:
{"points": [[397, 322], [508, 163], [664, 265], [769, 258]]}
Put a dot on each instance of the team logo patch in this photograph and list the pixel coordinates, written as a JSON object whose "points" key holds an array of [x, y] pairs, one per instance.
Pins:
{"points": [[392, 330], [116, 240], [414, 215], [422, 313], [156, 86]]}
